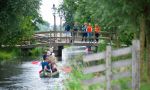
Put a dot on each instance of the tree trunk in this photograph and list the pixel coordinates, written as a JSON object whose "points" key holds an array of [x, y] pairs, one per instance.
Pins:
{"points": [[148, 52], [117, 40], [142, 45]]}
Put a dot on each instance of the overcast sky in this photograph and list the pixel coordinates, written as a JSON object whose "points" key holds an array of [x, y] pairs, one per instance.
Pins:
{"points": [[46, 10]]}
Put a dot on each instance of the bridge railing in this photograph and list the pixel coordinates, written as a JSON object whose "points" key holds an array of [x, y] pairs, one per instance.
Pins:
{"points": [[71, 36]]}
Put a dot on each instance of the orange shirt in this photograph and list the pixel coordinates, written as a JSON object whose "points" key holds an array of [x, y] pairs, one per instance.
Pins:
{"points": [[97, 29], [89, 28]]}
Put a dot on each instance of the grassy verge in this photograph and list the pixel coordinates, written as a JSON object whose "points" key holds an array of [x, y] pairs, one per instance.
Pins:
{"points": [[12, 54], [8, 54], [76, 76], [145, 86]]}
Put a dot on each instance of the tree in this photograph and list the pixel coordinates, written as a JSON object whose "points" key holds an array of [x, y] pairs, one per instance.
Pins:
{"points": [[130, 18], [17, 20]]}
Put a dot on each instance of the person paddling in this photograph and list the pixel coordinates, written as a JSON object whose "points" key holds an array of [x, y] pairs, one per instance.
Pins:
{"points": [[45, 65]]}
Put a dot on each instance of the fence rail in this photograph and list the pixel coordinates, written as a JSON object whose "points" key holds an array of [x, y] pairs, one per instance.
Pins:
{"points": [[109, 65]]}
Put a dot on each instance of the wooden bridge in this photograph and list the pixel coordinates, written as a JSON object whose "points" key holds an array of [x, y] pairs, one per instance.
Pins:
{"points": [[61, 38]]}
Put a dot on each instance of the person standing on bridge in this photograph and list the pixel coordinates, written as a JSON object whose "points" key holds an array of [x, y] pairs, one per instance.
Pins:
{"points": [[84, 32], [97, 32], [67, 29], [89, 32], [75, 30]]}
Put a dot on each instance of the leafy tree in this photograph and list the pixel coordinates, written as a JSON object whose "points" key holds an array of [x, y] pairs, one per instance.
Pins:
{"points": [[17, 20], [130, 18]]}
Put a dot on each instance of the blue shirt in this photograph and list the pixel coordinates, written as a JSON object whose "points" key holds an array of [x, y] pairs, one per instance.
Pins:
{"points": [[44, 57], [67, 28], [44, 63]]}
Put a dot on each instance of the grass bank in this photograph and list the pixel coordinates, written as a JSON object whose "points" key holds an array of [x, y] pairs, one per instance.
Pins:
{"points": [[74, 82], [12, 54], [8, 53]]}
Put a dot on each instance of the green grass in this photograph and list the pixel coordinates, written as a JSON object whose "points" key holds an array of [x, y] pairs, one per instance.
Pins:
{"points": [[76, 76], [75, 81], [145, 86], [5, 55], [8, 54], [102, 46]]}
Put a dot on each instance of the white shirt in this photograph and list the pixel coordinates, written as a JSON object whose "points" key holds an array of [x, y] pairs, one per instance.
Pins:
{"points": [[49, 53]]}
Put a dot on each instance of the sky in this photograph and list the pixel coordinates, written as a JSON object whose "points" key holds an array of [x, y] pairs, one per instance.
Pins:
{"points": [[46, 11]]}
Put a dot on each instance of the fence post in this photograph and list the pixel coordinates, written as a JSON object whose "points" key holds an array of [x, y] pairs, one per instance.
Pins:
{"points": [[135, 65], [108, 68]]}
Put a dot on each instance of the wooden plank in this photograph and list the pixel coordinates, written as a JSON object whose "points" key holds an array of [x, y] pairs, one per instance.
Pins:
{"points": [[52, 37], [45, 32], [97, 56], [94, 80], [94, 57], [122, 51], [121, 75], [122, 63], [93, 69], [57, 31], [103, 78], [108, 68], [136, 65]]}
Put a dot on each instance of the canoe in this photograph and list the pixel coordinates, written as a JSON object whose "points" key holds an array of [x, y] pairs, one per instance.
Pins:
{"points": [[44, 74]]}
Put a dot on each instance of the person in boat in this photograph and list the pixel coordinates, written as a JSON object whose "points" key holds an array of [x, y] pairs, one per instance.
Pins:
{"points": [[52, 62], [45, 64], [50, 51], [44, 55]]}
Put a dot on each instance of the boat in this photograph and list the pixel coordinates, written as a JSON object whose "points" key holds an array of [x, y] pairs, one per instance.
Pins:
{"points": [[52, 61], [44, 74]]}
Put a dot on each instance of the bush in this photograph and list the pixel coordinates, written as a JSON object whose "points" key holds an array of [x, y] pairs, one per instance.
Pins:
{"points": [[36, 52], [7, 55]]}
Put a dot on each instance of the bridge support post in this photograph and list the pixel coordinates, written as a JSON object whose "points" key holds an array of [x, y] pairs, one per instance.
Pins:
{"points": [[60, 51], [96, 48]]}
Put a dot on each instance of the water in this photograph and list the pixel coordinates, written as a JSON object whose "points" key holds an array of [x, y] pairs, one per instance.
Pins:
{"points": [[70, 52], [25, 76]]}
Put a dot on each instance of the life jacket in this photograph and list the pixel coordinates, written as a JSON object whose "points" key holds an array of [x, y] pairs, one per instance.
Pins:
{"points": [[97, 29], [89, 28]]}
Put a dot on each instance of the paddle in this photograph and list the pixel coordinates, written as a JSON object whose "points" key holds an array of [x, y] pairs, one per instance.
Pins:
{"points": [[35, 62], [66, 69]]}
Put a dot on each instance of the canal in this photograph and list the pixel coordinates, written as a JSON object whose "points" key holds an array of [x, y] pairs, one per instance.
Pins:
{"points": [[25, 75]]}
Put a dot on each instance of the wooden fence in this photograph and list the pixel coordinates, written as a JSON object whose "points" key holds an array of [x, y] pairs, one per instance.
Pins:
{"points": [[109, 76]]}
